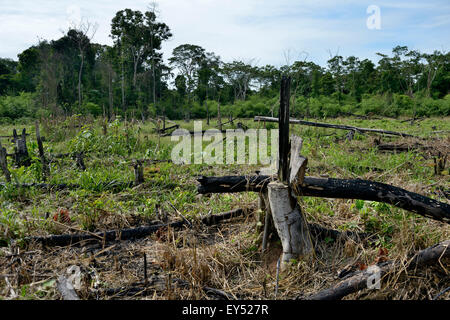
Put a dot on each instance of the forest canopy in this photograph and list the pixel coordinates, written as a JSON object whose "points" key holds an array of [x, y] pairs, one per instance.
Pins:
{"points": [[74, 75]]}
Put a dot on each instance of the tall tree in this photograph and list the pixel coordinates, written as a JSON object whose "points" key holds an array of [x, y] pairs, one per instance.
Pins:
{"points": [[187, 58], [138, 36], [82, 35], [240, 75]]}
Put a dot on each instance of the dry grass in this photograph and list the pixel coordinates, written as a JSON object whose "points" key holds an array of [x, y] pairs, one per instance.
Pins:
{"points": [[225, 257], [180, 263]]}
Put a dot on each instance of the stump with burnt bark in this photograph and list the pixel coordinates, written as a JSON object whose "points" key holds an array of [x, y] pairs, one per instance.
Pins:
{"points": [[282, 204], [21, 156], [4, 163]]}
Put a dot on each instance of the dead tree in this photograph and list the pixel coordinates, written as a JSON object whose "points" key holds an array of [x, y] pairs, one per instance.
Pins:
{"points": [[360, 280], [79, 160], [82, 35], [21, 155], [279, 193], [219, 119], [287, 215], [335, 188], [335, 126], [439, 163], [280, 199], [4, 163], [164, 129], [45, 168], [138, 172]]}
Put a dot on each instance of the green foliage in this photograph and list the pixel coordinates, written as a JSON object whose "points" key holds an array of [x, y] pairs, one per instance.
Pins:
{"points": [[72, 75], [15, 107], [120, 140], [433, 107], [374, 104], [92, 108]]}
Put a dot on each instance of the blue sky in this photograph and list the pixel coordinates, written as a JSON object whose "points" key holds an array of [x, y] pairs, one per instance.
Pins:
{"points": [[257, 31]]}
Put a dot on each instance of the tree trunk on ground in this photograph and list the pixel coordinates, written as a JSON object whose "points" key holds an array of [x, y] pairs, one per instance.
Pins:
{"points": [[336, 188], [334, 126], [360, 281]]}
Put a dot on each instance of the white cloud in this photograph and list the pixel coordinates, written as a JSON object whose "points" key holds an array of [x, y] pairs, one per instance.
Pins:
{"points": [[245, 29]]}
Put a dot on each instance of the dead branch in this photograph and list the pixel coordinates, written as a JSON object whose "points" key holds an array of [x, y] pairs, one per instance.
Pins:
{"points": [[359, 281], [112, 235], [334, 126], [125, 234], [336, 188]]}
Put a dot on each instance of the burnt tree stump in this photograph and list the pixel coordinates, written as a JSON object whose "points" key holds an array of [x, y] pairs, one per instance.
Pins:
{"points": [[79, 160], [287, 215], [138, 172], [45, 167], [22, 158], [4, 163]]}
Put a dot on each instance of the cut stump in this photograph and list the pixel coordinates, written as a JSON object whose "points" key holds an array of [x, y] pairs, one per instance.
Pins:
{"points": [[290, 223]]}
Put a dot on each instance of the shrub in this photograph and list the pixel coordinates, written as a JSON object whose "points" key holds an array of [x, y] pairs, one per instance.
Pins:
{"points": [[15, 107], [92, 108], [198, 111], [432, 107], [403, 103], [375, 104]]}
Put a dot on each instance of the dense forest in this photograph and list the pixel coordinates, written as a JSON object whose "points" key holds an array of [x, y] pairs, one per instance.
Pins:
{"points": [[74, 75]]}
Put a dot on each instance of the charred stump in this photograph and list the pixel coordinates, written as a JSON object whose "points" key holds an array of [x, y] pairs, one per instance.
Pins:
{"points": [[22, 158]]}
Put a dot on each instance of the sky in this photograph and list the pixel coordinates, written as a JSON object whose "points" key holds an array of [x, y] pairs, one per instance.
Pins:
{"points": [[260, 32]]}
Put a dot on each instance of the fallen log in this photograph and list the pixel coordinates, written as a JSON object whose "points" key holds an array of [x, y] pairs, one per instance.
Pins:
{"points": [[412, 120], [9, 137], [216, 218], [112, 235], [126, 234], [360, 281], [322, 233], [140, 232], [60, 186], [336, 188], [176, 126], [316, 230], [151, 161], [222, 124], [335, 126], [192, 133], [401, 147], [71, 186], [158, 284]]}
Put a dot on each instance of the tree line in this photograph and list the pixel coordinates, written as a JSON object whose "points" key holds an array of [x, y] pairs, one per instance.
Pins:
{"points": [[73, 75]]}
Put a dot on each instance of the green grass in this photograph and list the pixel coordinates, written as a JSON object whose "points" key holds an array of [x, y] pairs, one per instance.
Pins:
{"points": [[103, 202]]}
